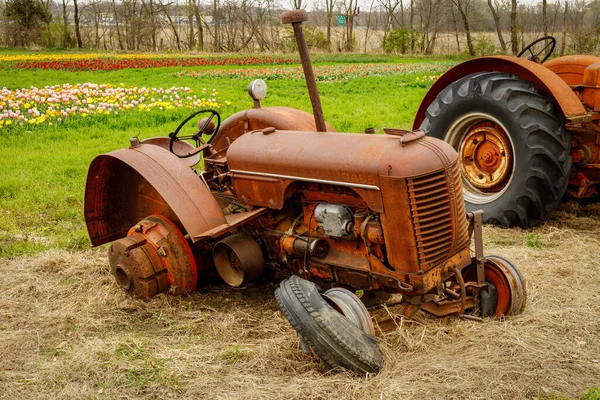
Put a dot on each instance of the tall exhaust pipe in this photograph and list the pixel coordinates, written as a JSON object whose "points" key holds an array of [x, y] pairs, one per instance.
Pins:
{"points": [[296, 18]]}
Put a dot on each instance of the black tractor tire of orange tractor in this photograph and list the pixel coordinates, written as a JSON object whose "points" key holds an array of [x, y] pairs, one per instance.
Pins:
{"points": [[338, 342], [541, 146]]}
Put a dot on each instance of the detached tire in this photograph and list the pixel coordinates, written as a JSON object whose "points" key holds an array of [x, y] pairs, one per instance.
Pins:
{"points": [[513, 148], [338, 342]]}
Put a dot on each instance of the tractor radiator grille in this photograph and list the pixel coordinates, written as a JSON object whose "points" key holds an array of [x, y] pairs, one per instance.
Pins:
{"points": [[439, 215]]}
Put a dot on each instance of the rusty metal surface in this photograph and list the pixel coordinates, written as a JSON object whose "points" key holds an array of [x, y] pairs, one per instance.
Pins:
{"points": [[296, 17], [153, 258], [486, 156], [233, 222], [127, 185], [547, 82], [508, 282], [264, 166], [282, 118], [238, 259], [438, 217], [360, 261], [571, 68], [179, 147]]}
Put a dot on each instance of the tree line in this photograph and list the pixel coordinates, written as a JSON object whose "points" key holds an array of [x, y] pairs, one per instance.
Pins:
{"points": [[393, 26]]}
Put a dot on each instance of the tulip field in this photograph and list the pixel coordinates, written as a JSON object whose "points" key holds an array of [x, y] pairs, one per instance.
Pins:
{"points": [[330, 72], [59, 110], [67, 331]]}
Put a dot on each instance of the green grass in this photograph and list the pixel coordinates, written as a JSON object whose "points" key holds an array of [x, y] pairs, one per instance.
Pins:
{"points": [[533, 240]]}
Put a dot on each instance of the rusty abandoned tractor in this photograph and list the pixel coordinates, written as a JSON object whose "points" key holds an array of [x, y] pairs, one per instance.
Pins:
{"points": [[280, 189], [527, 132]]}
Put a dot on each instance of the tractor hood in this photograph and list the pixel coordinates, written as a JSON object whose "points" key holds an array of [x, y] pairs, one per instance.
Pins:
{"points": [[264, 163]]}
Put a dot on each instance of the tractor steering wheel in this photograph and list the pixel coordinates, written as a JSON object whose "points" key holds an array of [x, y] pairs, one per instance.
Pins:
{"points": [[204, 126], [535, 57]]}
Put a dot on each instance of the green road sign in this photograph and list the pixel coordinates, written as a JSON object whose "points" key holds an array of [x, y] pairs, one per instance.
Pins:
{"points": [[341, 20]]}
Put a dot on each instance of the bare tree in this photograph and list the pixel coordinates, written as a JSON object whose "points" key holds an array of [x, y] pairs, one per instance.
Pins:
{"points": [[368, 24], [411, 26], [199, 27], [455, 26], [77, 22], [190, 20], [329, 6], [349, 8], [513, 27], [172, 24], [544, 19], [390, 7], [563, 43], [463, 8], [497, 23], [65, 28], [430, 17]]}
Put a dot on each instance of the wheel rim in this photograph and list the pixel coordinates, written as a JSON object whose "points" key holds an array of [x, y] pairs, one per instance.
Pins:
{"points": [[346, 303], [496, 278], [486, 156], [509, 284]]}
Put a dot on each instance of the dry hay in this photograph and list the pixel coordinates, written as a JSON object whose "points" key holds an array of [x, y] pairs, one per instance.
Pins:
{"points": [[68, 331]]}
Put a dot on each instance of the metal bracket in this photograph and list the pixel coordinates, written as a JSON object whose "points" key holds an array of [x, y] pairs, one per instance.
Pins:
{"points": [[477, 221]]}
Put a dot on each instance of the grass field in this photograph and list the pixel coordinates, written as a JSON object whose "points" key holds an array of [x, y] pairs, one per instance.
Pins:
{"points": [[68, 331], [43, 168]]}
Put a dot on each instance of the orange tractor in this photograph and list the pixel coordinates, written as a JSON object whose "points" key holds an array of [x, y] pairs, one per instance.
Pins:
{"points": [[526, 131], [279, 190]]}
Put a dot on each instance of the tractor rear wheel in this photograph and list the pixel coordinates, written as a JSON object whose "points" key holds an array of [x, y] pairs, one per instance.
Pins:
{"points": [[512, 144]]}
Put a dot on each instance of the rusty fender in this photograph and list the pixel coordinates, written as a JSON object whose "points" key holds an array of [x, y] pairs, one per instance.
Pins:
{"points": [[127, 185], [546, 80]]}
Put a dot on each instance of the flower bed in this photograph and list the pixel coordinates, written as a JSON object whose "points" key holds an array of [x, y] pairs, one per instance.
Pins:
{"points": [[327, 72], [118, 63], [54, 104]]}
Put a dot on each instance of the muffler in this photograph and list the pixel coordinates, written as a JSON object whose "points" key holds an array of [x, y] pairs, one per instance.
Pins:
{"points": [[239, 259]]}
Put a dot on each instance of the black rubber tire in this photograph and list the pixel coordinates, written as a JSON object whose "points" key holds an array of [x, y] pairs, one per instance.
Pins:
{"points": [[337, 341], [541, 146]]}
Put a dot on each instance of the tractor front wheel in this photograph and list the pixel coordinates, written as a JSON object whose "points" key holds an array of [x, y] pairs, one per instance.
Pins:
{"points": [[513, 148]]}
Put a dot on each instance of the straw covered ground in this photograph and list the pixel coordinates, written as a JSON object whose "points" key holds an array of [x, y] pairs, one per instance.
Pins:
{"points": [[68, 331]]}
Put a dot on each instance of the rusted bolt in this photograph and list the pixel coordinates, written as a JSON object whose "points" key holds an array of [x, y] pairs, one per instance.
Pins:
{"points": [[134, 142], [475, 141], [161, 251], [480, 176]]}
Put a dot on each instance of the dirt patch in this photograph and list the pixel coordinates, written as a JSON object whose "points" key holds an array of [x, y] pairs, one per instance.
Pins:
{"points": [[68, 331]]}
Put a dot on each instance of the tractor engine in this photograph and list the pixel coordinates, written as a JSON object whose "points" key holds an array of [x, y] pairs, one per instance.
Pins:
{"points": [[381, 211]]}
